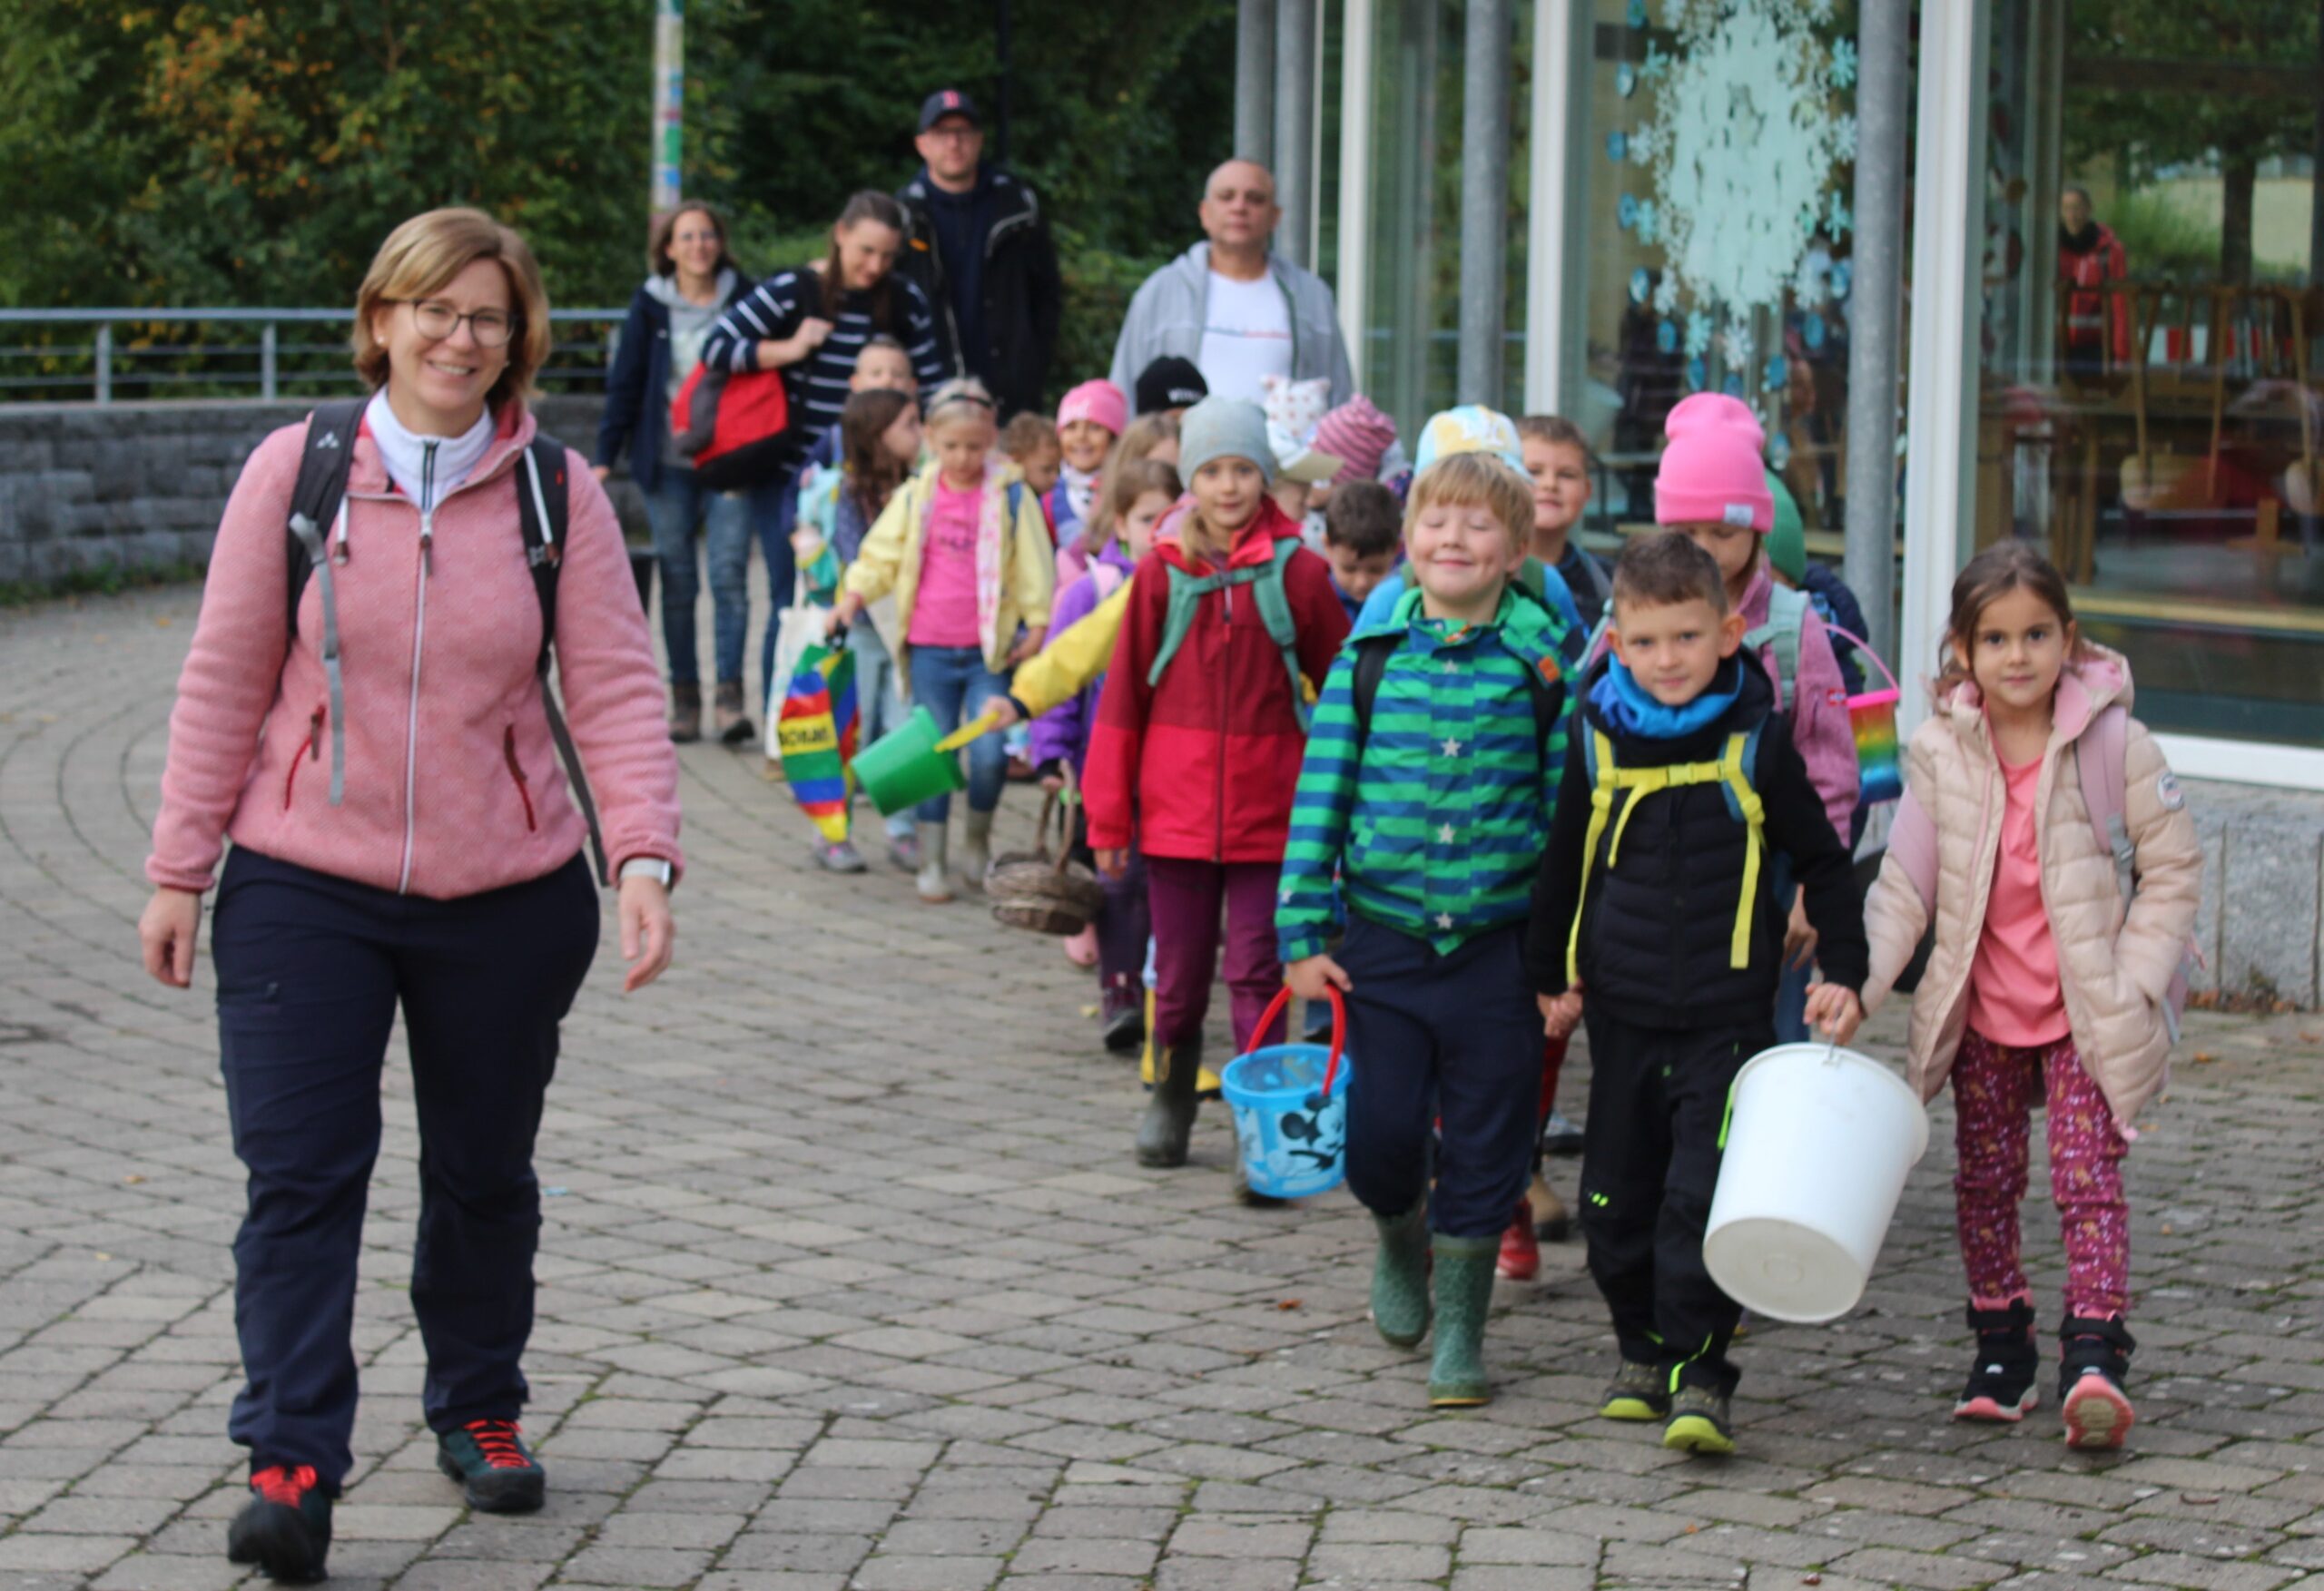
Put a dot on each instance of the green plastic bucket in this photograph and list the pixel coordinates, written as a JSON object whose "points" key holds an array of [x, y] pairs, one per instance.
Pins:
{"points": [[903, 768]]}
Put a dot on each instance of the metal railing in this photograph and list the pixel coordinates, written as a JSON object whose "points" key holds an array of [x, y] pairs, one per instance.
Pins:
{"points": [[209, 352]]}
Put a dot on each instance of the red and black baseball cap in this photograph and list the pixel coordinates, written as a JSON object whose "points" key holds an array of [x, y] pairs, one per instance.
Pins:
{"points": [[948, 102]]}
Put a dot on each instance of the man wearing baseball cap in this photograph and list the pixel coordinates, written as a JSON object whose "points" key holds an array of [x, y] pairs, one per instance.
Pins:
{"points": [[978, 245]]}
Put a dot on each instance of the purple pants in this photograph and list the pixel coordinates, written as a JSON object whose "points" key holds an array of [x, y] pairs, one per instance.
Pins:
{"points": [[1184, 897], [1993, 1089]]}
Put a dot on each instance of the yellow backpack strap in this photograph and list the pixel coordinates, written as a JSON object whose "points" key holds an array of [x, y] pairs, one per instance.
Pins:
{"points": [[1602, 775], [1747, 807]]}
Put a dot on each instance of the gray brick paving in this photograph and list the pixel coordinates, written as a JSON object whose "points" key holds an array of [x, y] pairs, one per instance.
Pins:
{"points": [[849, 1284]]}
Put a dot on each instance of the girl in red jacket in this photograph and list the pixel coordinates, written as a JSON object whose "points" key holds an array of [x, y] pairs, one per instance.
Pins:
{"points": [[1231, 625]]}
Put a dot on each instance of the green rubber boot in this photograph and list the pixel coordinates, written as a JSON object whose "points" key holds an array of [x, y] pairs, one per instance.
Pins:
{"points": [[1169, 1124], [1464, 1266], [1400, 1277]]}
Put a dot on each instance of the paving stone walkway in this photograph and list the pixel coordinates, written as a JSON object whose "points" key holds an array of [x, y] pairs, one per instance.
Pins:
{"points": [[849, 1285]]}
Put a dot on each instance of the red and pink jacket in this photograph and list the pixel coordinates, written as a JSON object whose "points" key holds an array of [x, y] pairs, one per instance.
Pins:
{"points": [[1202, 766], [453, 786]]}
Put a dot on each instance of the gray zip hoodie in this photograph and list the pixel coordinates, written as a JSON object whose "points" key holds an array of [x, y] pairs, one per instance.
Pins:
{"points": [[1168, 314]]}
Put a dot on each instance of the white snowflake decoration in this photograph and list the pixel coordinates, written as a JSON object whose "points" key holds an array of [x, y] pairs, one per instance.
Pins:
{"points": [[1819, 11], [1666, 294], [1744, 146], [1646, 223], [1813, 286], [1843, 72], [1698, 332], [1644, 145], [1736, 344], [1843, 140]]}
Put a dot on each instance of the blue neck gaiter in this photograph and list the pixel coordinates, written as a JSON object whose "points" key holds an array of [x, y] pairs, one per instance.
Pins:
{"points": [[1629, 708]]}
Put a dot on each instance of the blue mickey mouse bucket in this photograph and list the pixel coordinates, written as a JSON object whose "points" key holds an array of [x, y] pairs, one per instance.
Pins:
{"points": [[1290, 1105]]}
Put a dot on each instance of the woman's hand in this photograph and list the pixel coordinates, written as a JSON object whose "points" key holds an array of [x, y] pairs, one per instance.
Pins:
{"points": [[166, 932], [647, 929], [604, 472], [1030, 643], [1003, 712], [1310, 975], [1113, 860], [843, 614], [1835, 1010], [774, 353]]}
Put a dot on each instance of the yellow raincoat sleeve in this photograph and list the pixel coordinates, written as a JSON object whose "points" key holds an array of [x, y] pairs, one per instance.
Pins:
{"points": [[1032, 564], [1072, 659]]}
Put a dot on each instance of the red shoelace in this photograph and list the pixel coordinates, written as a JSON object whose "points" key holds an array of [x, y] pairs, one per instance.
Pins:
{"points": [[496, 1441], [280, 1483]]}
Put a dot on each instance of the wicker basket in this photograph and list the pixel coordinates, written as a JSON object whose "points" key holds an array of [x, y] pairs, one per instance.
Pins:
{"points": [[1041, 892]]}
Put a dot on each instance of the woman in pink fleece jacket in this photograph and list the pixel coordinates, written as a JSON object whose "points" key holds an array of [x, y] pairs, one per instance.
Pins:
{"points": [[403, 838], [1712, 485]]}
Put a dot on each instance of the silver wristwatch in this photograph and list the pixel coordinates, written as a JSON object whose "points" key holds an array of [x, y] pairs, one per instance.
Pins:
{"points": [[649, 866]]}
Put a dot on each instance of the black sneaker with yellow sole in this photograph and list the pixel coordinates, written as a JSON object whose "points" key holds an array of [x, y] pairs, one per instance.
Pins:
{"points": [[1699, 1422], [1637, 1391]]}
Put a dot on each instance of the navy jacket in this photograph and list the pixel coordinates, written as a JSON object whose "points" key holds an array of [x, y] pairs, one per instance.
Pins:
{"points": [[637, 415]]}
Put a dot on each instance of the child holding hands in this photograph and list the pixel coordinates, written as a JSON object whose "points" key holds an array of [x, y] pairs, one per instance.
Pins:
{"points": [[1197, 747], [2052, 966], [1655, 921], [1428, 788]]}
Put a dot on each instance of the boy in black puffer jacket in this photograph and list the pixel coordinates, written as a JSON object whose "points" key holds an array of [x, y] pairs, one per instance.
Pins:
{"points": [[1654, 906]]}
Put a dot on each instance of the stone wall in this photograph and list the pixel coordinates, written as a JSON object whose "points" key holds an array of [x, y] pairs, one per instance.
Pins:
{"points": [[140, 486]]}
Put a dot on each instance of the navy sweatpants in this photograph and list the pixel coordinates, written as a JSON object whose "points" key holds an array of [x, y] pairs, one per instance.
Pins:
{"points": [[1453, 1042], [311, 971], [1650, 1165]]}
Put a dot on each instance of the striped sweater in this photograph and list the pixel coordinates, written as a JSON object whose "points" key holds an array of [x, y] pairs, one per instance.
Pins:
{"points": [[818, 384], [1438, 833]]}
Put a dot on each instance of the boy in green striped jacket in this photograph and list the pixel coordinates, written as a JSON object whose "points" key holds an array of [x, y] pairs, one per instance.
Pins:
{"points": [[1432, 767]]}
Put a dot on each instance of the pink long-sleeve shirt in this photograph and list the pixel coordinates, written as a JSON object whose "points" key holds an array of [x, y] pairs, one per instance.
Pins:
{"points": [[452, 783], [1817, 702]]}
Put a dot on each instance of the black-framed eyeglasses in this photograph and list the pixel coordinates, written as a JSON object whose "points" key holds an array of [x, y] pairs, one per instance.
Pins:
{"points": [[439, 320]]}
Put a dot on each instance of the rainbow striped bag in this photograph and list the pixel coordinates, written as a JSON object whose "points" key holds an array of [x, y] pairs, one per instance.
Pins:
{"points": [[1871, 715], [817, 731]]}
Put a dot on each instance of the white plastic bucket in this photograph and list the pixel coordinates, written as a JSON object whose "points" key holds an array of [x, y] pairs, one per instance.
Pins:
{"points": [[1819, 1141]]}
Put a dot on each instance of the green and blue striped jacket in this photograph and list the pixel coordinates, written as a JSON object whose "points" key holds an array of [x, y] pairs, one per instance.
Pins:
{"points": [[1439, 832]]}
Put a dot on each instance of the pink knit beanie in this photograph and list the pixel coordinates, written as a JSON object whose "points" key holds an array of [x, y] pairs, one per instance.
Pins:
{"points": [[1098, 400], [1358, 433], [1711, 470]]}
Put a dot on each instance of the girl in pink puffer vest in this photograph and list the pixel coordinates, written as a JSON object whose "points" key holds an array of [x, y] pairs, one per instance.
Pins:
{"points": [[2044, 980]]}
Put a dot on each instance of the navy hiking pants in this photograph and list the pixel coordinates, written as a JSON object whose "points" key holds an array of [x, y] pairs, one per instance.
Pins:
{"points": [[1452, 1041], [312, 969]]}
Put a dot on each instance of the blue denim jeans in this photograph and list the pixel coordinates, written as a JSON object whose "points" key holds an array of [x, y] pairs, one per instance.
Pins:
{"points": [[879, 704], [954, 685], [774, 515], [677, 507]]}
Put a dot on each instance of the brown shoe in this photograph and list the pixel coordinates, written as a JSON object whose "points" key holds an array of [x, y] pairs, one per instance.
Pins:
{"points": [[734, 726], [685, 714]]}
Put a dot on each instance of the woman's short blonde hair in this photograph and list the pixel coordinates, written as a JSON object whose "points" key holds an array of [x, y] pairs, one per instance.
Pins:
{"points": [[424, 254]]}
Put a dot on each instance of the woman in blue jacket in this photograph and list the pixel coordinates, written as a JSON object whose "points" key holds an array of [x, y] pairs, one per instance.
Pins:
{"points": [[693, 280]]}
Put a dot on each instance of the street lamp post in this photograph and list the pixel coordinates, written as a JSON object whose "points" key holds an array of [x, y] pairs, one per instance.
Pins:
{"points": [[669, 101]]}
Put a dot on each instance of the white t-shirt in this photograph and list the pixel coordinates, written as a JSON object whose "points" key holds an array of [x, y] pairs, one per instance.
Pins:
{"points": [[1246, 334]]}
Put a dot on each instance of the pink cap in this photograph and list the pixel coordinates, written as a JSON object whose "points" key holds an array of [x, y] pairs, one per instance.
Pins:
{"points": [[1711, 471], [1358, 433], [1102, 401]]}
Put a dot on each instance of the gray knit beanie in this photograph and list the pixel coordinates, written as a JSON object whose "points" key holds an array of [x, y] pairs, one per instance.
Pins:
{"points": [[1225, 428]]}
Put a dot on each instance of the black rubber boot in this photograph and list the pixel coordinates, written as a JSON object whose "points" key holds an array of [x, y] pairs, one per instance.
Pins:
{"points": [[2002, 1381], [1170, 1121]]}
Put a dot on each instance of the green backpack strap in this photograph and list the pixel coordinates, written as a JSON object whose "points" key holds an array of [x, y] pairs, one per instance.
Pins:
{"points": [[1265, 581], [1787, 616]]}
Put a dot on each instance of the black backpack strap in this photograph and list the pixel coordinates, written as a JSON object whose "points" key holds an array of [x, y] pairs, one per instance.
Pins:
{"points": [[315, 502], [1363, 688], [1548, 706], [544, 504]]}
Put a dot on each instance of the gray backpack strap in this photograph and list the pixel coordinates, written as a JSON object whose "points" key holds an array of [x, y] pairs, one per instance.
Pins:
{"points": [[1787, 617]]}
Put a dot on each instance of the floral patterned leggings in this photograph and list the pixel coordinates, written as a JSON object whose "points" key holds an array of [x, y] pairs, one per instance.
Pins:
{"points": [[1994, 1091]]}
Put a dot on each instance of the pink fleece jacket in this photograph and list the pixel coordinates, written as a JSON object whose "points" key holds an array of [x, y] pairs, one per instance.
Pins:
{"points": [[453, 785], [1817, 702]]}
